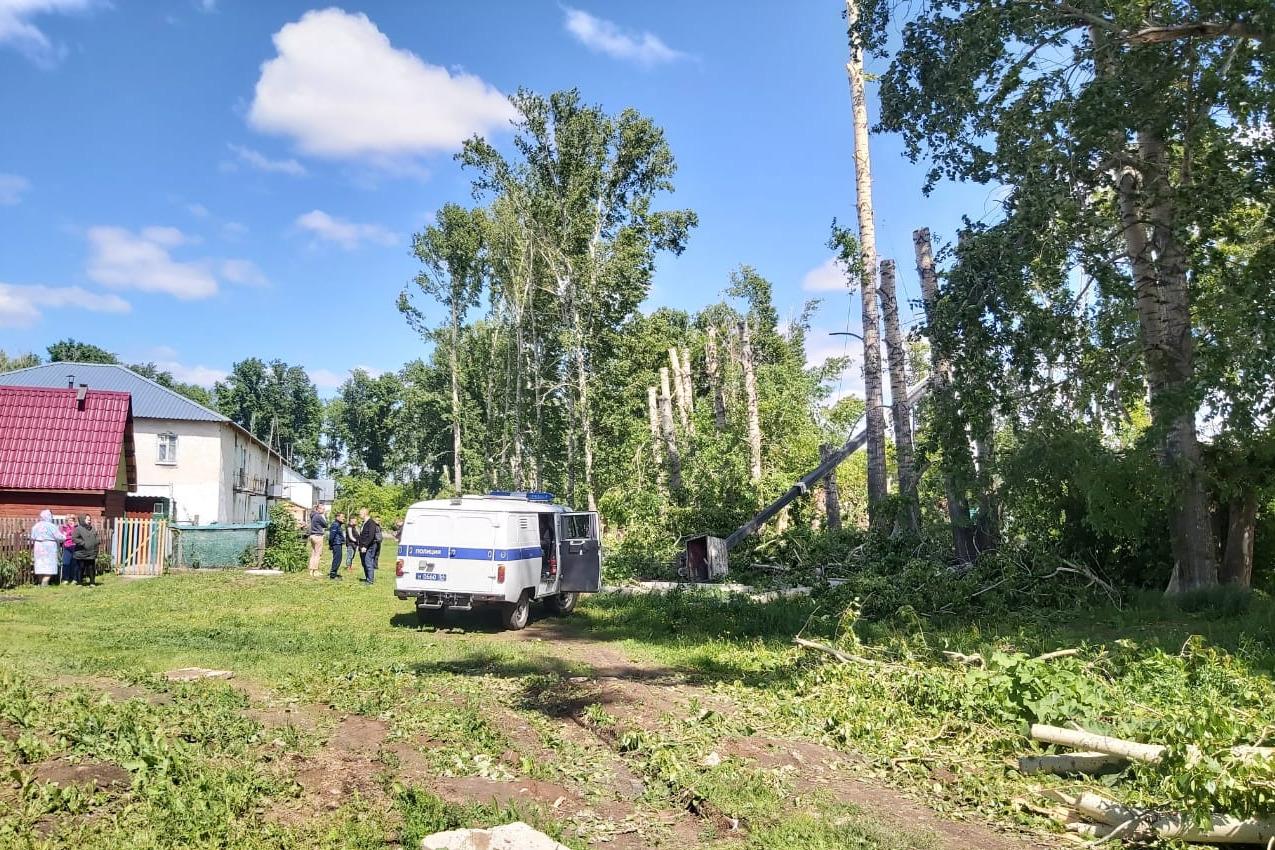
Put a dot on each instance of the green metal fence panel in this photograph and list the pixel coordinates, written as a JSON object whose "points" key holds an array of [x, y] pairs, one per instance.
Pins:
{"points": [[218, 546]]}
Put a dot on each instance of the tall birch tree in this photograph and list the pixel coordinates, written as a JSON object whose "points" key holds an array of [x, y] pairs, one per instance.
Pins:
{"points": [[453, 270], [867, 267]]}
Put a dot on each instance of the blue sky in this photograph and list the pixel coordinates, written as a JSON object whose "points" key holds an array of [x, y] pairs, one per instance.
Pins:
{"points": [[198, 181]]}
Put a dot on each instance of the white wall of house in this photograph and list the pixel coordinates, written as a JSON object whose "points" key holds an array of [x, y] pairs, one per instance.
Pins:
{"points": [[249, 471], [217, 474], [193, 480]]}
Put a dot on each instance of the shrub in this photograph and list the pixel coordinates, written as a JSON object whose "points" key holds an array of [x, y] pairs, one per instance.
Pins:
{"points": [[8, 573], [285, 545]]}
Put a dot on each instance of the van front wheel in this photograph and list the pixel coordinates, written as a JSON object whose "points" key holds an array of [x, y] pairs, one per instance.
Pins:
{"points": [[516, 614], [564, 603]]}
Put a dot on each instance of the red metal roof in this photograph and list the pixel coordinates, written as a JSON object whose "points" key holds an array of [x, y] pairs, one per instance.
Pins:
{"points": [[47, 442]]}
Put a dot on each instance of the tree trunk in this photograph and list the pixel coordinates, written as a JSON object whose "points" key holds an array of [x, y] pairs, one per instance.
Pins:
{"points": [[679, 389], [713, 367], [455, 367], [750, 399], [673, 458], [987, 532], [1241, 528], [688, 385], [831, 498], [877, 486], [1164, 325], [1145, 197], [958, 509], [653, 414], [586, 426], [909, 517]]}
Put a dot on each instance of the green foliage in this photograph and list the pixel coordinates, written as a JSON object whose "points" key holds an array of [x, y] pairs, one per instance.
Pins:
{"points": [[73, 351], [278, 404], [9, 571], [387, 502], [9, 362], [361, 423], [285, 545]]}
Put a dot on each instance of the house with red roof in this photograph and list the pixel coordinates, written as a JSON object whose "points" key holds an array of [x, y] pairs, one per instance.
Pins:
{"points": [[68, 449]]}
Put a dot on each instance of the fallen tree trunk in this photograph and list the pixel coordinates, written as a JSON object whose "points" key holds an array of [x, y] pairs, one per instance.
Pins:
{"points": [[1222, 829], [1084, 763], [844, 657], [1132, 750]]}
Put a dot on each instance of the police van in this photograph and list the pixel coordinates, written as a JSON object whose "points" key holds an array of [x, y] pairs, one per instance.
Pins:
{"points": [[506, 548]]}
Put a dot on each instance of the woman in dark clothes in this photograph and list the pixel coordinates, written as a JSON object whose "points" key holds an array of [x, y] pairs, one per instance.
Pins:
{"points": [[86, 546]]}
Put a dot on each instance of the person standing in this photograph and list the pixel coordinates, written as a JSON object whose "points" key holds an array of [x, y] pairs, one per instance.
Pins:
{"points": [[318, 531], [351, 541], [46, 539], [336, 541], [69, 574], [86, 546], [369, 545]]}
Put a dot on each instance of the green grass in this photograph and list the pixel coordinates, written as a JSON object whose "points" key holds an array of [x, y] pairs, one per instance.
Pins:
{"points": [[203, 771]]}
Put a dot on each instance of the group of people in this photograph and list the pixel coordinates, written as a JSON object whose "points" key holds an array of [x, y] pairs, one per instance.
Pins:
{"points": [[65, 553], [362, 535]]}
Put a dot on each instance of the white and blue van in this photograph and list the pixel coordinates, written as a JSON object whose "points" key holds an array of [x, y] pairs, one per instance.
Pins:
{"points": [[505, 548]]}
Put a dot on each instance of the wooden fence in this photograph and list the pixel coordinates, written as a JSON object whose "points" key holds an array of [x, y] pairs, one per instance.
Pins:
{"points": [[138, 547]]}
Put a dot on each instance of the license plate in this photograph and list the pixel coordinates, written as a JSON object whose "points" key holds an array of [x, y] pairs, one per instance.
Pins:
{"points": [[431, 577]]}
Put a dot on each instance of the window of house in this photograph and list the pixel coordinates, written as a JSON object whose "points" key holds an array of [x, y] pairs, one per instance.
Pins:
{"points": [[167, 449]]}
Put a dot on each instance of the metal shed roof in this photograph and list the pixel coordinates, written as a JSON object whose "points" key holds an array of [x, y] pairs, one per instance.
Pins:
{"points": [[150, 400]]}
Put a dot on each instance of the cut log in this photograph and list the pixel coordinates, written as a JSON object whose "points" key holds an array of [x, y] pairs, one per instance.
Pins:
{"points": [[1090, 830], [834, 652], [1132, 750], [974, 660], [1221, 829], [1088, 764], [1057, 653]]}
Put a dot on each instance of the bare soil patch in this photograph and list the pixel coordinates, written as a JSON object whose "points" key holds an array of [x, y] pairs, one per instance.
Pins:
{"points": [[102, 776]]}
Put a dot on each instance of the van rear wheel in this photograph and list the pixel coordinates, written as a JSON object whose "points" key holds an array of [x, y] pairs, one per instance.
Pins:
{"points": [[515, 615], [564, 603]]}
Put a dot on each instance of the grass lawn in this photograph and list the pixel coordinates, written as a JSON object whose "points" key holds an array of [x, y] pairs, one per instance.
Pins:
{"points": [[637, 722]]}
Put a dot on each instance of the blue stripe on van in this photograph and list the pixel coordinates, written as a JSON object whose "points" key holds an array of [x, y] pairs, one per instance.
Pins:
{"points": [[461, 553]]}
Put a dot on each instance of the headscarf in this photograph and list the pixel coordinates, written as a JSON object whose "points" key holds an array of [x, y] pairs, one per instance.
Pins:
{"points": [[45, 530], [84, 519]]}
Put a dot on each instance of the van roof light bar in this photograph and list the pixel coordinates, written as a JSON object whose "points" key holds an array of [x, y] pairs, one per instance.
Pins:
{"points": [[533, 496]]}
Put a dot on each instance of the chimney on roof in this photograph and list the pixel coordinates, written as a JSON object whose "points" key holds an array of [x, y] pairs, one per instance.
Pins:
{"points": [[80, 394], [70, 382]]}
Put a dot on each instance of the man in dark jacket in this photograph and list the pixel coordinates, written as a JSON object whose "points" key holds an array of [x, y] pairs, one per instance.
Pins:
{"points": [[86, 544], [369, 545], [336, 541]]}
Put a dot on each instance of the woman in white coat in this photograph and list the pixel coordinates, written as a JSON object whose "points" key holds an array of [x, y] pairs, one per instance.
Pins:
{"points": [[47, 539]]}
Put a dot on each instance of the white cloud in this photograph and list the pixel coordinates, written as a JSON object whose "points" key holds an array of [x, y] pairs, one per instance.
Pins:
{"points": [[245, 272], [12, 186], [122, 259], [603, 36], [204, 376], [326, 379], [207, 5], [347, 234], [22, 306], [828, 276], [339, 89], [198, 210], [17, 30], [261, 162]]}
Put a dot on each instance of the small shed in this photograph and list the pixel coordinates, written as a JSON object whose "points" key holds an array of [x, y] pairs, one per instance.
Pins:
{"points": [[69, 450]]}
